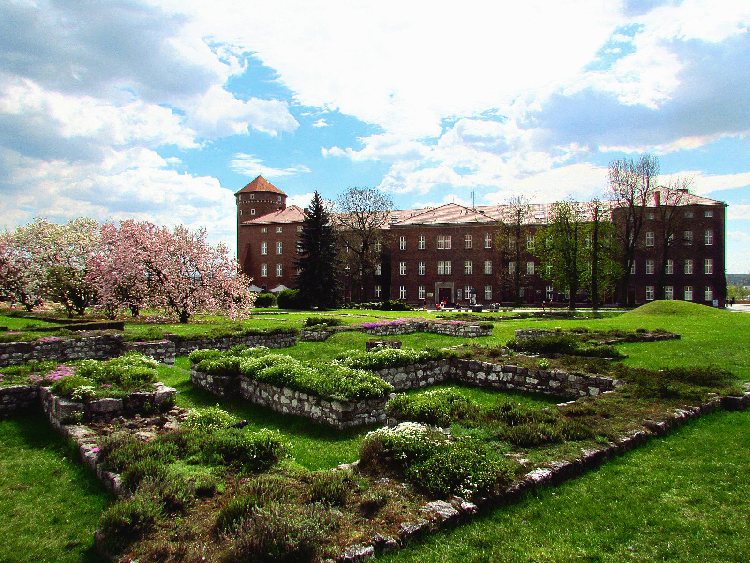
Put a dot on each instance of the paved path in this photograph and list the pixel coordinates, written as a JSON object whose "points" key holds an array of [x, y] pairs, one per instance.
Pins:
{"points": [[739, 307]]}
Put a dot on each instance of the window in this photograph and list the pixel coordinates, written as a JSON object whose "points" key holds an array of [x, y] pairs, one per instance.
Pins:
{"points": [[688, 293], [421, 292], [512, 243], [444, 267], [488, 240], [264, 270], [649, 293], [550, 292], [264, 229], [650, 215], [632, 268], [521, 292], [468, 292], [586, 242], [488, 293], [252, 212], [708, 237], [402, 292], [649, 266], [688, 238], [421, 269], [468, 267], [378, 269], [252, 196], [444, 242], [511, 267], [488, 267], [708, 266], [402, 268], [264, 248], [299, 228], [688, 214], [670, 266], [240, 212], [299, 247], [689, 266], [279, 270], [378, 246], [279, 229], [668, 292], [529, 268], [649, 238], [279, 246], [402, 243], [378, 291], [278, 198], [708, 213], [467, 241], [422, 243], [529, 242], [708, 293]]}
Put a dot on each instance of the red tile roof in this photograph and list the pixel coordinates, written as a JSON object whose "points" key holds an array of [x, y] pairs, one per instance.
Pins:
{"points": [[291, 214], [450, 213], [260, 184]]}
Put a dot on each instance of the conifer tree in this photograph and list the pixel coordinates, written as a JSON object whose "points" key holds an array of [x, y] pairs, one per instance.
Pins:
{"points": [[318, 263]]}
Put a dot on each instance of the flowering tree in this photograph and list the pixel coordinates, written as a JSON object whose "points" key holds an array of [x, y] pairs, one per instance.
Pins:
{"points": [[184, 274], [117, 269], [18, 278], [56, 259]]}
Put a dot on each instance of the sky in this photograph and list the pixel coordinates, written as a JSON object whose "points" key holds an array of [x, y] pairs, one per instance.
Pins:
{"points": [[161, 110]]}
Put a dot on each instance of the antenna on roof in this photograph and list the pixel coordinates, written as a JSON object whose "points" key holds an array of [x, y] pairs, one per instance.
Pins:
{"points": [[473, 207]]}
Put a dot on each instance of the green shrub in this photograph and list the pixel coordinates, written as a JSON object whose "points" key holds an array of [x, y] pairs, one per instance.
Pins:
{"points": [[531, 434], [66, 386], [280, 533], [197, 356], [134, 473], [331, 487], [439, 407], [381, 358], [220, 365], [209, 419], [264, 300], [553, 344], [406, 443], [290, 299], [245, 451], [127, 520], [327, 321], [467, 467]]}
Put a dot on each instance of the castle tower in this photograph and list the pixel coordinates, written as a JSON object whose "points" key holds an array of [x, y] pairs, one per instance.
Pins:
{"points": [[258, 198]]}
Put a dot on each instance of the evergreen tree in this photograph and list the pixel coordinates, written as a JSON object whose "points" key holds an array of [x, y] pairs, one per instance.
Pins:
{"points": [[318, 262]]}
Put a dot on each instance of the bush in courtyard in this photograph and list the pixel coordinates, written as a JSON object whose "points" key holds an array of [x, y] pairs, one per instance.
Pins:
{"points": [[289, 299], [280, 533], [127, 520], [440, 407], [209, 418], [331, 486], [264, 300], [245, 451], [265, 489], [327, 321], [384, 357]]}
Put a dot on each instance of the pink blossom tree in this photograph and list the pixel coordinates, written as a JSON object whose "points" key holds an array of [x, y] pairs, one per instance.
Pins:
{"points": [[18, 278]]}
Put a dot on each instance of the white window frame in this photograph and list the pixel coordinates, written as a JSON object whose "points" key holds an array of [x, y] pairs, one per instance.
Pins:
{"points": [[279, 247], [279, 270], [688, 238], [279, 229], [688, 266], [378, 269], [422, 292], [444, 267], [649, 293], [511, 267], [264, 229], [668, 292], [708, 213], [488, 240], [488, 293], [444, 242], [688, 293], [530, 268], [422, 242], [263, 248], [402, 243], [378, 291], [669, 270], [264, 270], [468, 242], [402, 292], [708, 266], [488, 267], [530, 242], [468, 267], [402, 268], [649, 238], [708, 237], [708, 293], [649, 266], [421, 268]]}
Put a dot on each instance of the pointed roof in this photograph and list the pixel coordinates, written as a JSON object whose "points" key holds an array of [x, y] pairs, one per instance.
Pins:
{"points": [[260, 184], [291, 214]]}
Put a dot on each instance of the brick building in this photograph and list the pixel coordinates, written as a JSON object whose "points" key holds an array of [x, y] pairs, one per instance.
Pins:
{"points": [[451, 253]]}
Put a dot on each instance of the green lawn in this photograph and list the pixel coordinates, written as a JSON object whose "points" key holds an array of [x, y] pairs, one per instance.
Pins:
{"points": [[681, 498]]}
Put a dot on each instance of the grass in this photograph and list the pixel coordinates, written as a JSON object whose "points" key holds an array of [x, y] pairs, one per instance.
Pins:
{"points": [[50, 503], [685, 498], [682, 498]]}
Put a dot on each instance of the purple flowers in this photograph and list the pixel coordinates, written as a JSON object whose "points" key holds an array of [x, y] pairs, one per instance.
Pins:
{"points": [[49, 339], [59, 372]]}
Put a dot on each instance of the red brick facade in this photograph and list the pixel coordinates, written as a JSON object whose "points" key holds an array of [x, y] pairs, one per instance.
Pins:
{"points": [[451, 253]]}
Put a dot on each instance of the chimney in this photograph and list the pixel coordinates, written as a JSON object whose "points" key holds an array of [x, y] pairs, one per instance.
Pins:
{"points": [[657, 195]]}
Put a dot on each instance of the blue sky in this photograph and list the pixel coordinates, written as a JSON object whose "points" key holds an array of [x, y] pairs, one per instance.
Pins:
{"points": [[161, 110]]}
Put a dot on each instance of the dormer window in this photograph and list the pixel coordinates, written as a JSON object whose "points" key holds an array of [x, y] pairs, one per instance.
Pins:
{"points": [[278, 198], [252, 196]]}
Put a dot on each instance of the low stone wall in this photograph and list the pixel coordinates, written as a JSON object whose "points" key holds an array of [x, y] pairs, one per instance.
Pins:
{"points": [[62, 411], [416, 375], [339, 414], [221, 385], [383, 343], [17, 398], [284, 340], [456, 329], [61, 350], [107, 346], [548, 381]]}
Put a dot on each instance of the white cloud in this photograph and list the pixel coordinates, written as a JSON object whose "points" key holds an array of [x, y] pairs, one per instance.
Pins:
{"points": [[742, 212], [321, 123], [738, 252], [707, 183], [251, 165], [300, 200]]}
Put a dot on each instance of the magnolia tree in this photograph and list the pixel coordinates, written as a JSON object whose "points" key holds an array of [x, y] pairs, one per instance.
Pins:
{"points": [[128, 268], [141, 264]]}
